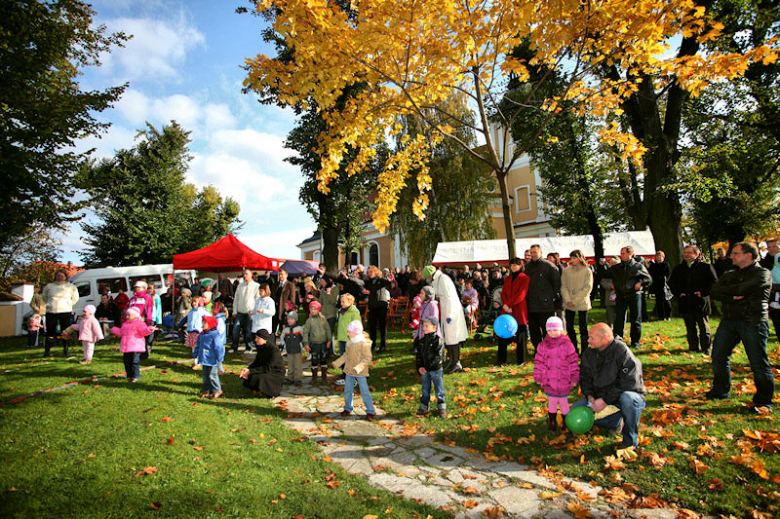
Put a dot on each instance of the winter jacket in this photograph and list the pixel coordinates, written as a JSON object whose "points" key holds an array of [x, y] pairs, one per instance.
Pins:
{"points": [[89, 329], [122, 301], [286, 298], [453, 321], [556, 365], [430, 352], [659, 274], [210, 348], [753, 283], [610, 372], [133, 335], [144, 303], [330, 302], [38, 304], [221, 327], [60, 297], [110, 312], [626, 274], [246, 296], [544, 286], [263, 314], [316, 330], [351, 314], [356, 359], [378, 291], [514, 294], [699, 277], [576, 286], [292, 339], [428, 309], [194, 320], [157, 310]]}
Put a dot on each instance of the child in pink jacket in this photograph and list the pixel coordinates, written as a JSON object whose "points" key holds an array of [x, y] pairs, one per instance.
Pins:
{"points": [[556, 369], [90, 332], [133, 343]]}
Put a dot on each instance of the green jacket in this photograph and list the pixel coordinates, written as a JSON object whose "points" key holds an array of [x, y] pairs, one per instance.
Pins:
{"points": [[330, 302], [352, 314], [316, 330]]}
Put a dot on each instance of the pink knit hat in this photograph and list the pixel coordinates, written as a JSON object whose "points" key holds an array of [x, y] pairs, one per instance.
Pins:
{"points": [[355, 327], [90, 309], [554, 323], [135, 311], [315, 304]]}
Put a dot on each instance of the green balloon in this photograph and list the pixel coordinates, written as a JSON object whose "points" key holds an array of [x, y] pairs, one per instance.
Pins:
{"points": [[580, 419]]}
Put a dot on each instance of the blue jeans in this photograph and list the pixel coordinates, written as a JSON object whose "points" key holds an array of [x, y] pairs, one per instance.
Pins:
{"points": [[633, 304], [243, 323], [211, 379], [631, 405], [349, 387], [342, 347], [436, 378], [753, 336], [132, 364]]}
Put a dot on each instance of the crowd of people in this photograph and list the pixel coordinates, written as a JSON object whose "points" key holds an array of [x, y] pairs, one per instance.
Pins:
{"points": [[550, 300]]}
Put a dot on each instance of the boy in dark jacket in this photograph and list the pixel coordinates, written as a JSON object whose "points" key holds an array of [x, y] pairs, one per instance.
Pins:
{"points": [[292, 343], [429, 359]]}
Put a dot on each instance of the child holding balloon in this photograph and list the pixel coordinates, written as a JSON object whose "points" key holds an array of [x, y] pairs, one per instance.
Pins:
{"points": [[556, 369]]}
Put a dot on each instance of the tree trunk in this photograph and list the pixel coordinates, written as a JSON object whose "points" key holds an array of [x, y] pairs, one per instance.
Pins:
{"points": [[330, 250], [509, 226]]}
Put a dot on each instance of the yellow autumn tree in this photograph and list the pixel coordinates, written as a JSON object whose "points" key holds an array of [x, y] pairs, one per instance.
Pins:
{"points": [[414, 54]]}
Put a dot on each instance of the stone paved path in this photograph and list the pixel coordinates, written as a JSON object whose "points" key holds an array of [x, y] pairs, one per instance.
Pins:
{"points": [[415, 466]]}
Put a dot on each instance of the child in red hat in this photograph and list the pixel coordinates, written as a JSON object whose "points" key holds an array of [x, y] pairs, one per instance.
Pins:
{"points": [[209, 352]]}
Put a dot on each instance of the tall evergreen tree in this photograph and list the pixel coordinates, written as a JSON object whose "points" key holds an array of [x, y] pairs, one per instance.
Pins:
{"points": [[43, 109], [147, 212]]}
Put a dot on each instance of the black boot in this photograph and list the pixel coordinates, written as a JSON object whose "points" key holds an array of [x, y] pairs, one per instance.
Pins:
{"points": [[552, 423], [66, 347], [47, 346]]}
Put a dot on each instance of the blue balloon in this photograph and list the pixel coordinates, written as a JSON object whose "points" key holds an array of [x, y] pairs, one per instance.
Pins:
{"points": [[505, 326]]}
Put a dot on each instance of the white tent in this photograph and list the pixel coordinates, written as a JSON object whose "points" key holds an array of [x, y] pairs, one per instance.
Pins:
{"points": [[489, 251]]}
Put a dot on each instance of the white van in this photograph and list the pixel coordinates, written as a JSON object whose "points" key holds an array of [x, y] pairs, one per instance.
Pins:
{"points": [[92, 282]]}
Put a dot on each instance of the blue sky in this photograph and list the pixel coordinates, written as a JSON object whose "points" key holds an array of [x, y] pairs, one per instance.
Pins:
{"points": [[184, 63]]}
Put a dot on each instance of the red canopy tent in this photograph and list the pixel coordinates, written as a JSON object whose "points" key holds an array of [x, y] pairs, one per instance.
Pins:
{"points": [[225, 255]]}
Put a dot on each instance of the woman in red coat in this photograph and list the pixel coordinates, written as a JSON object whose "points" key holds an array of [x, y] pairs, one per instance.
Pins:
{"points": [[513, 303]]}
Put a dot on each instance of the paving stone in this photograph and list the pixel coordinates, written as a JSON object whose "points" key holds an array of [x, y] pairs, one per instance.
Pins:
{"points": [[415, 441], [392, 482], [432, 496], [424, 453], [517, 501], [403, 457], [361, 466], [444, 459], [527, 476]]}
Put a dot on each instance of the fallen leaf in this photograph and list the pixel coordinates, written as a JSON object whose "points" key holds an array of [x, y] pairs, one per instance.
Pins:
{"points": [[549, 495], [165, 419], [333, 484], [470, 503], [145, 472], [579, 511], [156, 505], [470, 490], [198, 448], [170, 441]]}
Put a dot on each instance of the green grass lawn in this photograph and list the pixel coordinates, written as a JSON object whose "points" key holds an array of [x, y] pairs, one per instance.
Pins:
{"points": [[79, 451], [696, 454], [82, 451]]}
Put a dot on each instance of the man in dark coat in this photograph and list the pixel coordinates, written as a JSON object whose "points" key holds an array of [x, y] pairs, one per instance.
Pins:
{"points": [[265, 375], [772, 248], [610, 374], [660, 272], [285, 297], [691, 283], [544, 288], [629, 279], [745, 296]]}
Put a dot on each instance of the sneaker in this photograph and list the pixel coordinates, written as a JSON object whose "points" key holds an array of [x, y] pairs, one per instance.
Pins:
{"points": [[369, 416], [346, 413], [340, 382], [422, 412], [443, 413]]}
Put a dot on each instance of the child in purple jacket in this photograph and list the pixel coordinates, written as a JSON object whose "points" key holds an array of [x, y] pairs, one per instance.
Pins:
{"points": [[556, 369], [429, 307]]}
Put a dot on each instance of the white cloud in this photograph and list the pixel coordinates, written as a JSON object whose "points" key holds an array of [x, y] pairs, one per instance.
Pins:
{"points": [[157, 48], [133, 107], [218, 117], [117, 137], [183, 109]]}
